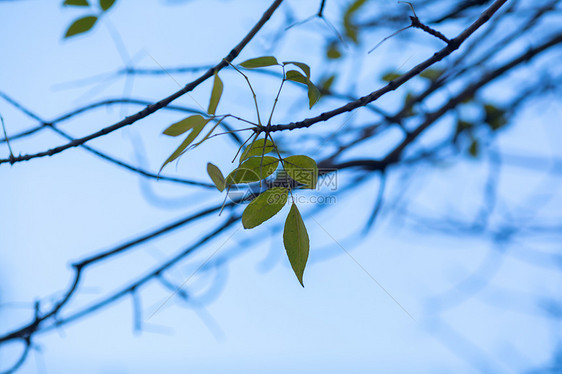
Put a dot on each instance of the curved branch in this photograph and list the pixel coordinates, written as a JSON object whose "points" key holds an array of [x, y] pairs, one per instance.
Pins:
{"points": [[21, 359], [34, 326], [50, 125], [453, 45], [134, 286], [160, 104], [470, 90]]}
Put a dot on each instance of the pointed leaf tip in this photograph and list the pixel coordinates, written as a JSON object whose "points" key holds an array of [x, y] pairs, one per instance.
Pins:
{"points": [[216, 176], [215, 94], [191, 122], [313, 91], [81, 25], [295, 239], [106, 4], [259, 62], [76, 2], [313, 94]]}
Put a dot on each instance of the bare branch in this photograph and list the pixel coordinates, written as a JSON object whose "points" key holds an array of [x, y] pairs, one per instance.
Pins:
{"points": [[160, 104]]}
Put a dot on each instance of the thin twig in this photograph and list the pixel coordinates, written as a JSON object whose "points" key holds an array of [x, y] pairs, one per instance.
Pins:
{"points": [[393, 85], [162, 103], [6, 138]]}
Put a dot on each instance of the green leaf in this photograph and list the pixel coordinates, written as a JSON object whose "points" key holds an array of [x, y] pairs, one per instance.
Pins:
{"points": [[215, 94], [76, 2], [253, 169], [81, 25], [295, 239], [431, 74], [296, 76], [265, 206], [106, 4], [259, 62], [257, 149], [349, 27], [351, 31], [313, 91], [304, 67], [177, 153], [390, 76], [333, 52], [196, 127], [302, 169], [354, 7], [208, 134], [184, 125], [216, 176], [326, 84], [313, 94]]}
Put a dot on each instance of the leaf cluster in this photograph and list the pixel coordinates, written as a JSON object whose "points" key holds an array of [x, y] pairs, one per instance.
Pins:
{"points": [[259, 159]]}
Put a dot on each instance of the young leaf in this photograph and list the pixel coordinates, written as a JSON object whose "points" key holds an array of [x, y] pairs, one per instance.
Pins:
{"points": [[184, 125], [81, 25], [302, 169], [295, 239], [304, 67], [215, 95], [296, 76], [208, 134], [252, 170], [76, 2], [349, 26], [264, 207], [216, 176], [177, 153], [257, 149], [259, 62], [327, 83], [313, 94], [106, 4], [195, 130], [313, 91]]}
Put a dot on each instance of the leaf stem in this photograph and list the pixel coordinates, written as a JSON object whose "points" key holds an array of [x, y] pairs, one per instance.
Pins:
{"points": [[243, 144], [251, 89], [277, 97]]}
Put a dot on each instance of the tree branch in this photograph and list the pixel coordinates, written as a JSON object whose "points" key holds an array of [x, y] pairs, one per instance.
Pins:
{"points": [[160, 104], [453, 45]]}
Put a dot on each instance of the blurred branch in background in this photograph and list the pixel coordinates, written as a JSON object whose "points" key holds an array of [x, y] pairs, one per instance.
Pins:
{"points": [[448, 115]]}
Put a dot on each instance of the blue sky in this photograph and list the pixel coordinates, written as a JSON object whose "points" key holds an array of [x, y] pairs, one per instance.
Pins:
{"points": [[57, 210]]}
